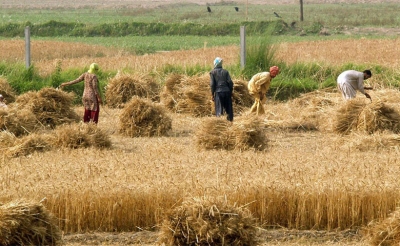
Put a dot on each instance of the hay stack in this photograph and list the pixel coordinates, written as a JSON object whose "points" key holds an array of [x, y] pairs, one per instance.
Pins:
{"points": [[29, 144], [371, 142], [80, 135], [19, 121], [7, 91], [207, 222], [27, 223], [243, 134], [188, 95], [7, 139], [51, 107], [143, 118], [367, 117], [386, 232], [242, 100], [123, 87]]}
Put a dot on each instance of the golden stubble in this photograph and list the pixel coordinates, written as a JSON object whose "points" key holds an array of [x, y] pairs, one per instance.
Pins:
{"points": [[47, 54]]}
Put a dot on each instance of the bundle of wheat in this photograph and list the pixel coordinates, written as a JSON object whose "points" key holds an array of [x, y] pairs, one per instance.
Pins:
{"points": [[195, 98], [192, 95], [123, 87], [208, 222], [18, 121], [80, 135], [370, 142], [357, 115], [27, 223], [243, 134], [170, 93], [241, 99], [316, 100], [144, 118], [50, 106], [386, 232], [28, 144], [7, 91], [7, 139]]}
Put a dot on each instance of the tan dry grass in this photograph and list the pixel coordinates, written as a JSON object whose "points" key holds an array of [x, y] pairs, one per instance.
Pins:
{"points": [[380, 52], [205, 221], [27, 223], [123, 87]]}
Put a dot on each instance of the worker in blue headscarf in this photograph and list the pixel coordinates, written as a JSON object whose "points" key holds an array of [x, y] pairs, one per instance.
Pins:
{"points": [[221, 90]]}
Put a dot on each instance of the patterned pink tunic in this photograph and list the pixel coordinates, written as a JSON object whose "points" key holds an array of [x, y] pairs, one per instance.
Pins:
{"points": [[91, 90]]}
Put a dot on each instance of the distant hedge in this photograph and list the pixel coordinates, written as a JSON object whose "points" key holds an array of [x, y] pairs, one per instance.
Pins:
{"points": [[54, 28]]}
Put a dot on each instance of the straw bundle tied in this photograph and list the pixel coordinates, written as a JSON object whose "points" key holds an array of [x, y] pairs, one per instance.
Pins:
{"points": [[123, 87], [27, 223], [29, 144], [189, 95], [243, 134], [386, 232], [7, 91], [357, 115], [169, 95], [144, 118], [207, 222], [241, 100], [372, 142], [316, 100], [7, 139], [50, 107], [80, 135], [19, 121]]}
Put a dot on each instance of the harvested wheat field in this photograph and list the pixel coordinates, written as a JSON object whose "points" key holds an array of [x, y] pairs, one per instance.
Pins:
{"points": [[291, 176]]}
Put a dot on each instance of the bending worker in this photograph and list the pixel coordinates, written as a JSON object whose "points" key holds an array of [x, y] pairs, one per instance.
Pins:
{"points": [[350, 81], [258, 87]]}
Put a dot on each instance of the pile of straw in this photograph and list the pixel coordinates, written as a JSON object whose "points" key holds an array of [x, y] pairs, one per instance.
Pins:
{"points": [[243, 134], [51, 107], [386, 232], [29, 144], [7, 91], [80, 135], [123, 87], [315, 100], [7, 139], [27, 223], [357, 115], [189, 95], [18, 121], [192, 95], [370, 142], [144, 118], [242, 100], [207, 222]]}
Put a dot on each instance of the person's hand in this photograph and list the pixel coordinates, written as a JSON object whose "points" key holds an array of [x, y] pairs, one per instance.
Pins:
{"points": [[212, 98]]}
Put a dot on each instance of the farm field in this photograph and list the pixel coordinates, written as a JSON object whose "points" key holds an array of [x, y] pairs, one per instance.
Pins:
{"points": [[304, 155], [311, 185]]}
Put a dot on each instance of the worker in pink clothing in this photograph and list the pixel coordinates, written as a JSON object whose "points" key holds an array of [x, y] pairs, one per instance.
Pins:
{"points": [[351, 81], [91, 94]]}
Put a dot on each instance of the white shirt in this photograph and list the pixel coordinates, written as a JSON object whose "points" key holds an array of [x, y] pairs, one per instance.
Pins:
{"points": [[353, 78]]}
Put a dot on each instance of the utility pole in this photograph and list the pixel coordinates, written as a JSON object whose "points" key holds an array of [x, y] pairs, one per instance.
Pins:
{"points": [[301, 10], [247, 3]]}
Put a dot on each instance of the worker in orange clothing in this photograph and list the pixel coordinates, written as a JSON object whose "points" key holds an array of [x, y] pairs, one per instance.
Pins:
{"points": [[258, 87]]}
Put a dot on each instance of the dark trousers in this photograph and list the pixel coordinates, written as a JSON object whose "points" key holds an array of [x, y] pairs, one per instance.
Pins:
{"points": [[223, 102]]}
